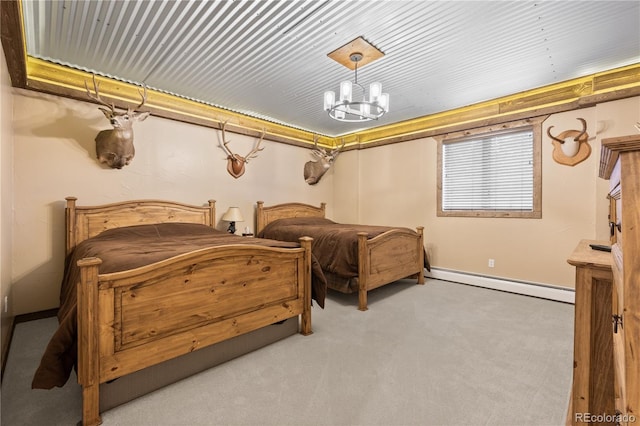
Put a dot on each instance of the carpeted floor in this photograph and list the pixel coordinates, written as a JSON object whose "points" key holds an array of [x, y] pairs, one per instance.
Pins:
{"points": [[439, 354]]}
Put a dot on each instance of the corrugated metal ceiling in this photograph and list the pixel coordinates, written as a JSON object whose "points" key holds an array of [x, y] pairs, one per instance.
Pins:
{"points": [[268, 59]]}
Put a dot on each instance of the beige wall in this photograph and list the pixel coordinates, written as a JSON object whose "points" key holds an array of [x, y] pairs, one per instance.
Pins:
{"points": [[6, 180], [54, 156], [396, 185]]}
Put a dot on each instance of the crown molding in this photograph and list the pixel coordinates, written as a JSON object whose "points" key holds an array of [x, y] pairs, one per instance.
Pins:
{"points": [[569, 95]]}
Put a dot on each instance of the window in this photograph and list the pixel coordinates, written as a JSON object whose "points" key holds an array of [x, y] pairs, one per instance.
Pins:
{"points": [[491, 173]]}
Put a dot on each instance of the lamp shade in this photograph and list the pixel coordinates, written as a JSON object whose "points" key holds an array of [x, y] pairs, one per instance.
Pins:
{"points": [[233, 215], [375, 91], [384, 102], [346, 88]]}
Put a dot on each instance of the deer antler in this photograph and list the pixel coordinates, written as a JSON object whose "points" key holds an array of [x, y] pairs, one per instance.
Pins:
{"points": [[577, 138], [315, 141], [584, 128], [254, 151], [336, 151], [317, 151], [96, 97], [143, 95], [225, 142], [235, 162]]}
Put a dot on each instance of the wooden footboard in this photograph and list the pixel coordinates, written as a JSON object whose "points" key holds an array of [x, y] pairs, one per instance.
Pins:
{"points": [[391, 256], [134, 319]]}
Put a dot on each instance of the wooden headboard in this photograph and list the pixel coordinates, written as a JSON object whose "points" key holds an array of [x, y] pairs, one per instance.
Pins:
{"points": [[87, 221], [266, 215]]}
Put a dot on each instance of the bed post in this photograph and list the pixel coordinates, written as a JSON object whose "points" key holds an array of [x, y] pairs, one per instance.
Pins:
{"points": [[420, 230], [70, 223], [88, 345], [305, 326], [212, 213], [363, 270], [259, 217]]}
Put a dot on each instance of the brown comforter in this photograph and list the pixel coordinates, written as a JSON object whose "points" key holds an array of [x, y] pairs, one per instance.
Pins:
{"points": [[127, 248], [335, 245]]}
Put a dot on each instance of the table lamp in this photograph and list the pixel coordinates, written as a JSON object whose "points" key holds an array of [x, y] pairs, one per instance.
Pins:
{"points": [[232, 216]]}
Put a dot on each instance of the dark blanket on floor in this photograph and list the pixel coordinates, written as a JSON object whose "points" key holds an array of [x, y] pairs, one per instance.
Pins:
{"points": [[127, 248], [335, 245]]}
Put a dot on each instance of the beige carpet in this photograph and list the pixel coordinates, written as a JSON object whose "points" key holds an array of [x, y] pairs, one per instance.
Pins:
{"points": [[439, 354]]}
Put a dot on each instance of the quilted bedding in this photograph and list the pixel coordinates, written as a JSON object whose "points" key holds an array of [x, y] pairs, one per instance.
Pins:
{"points": [[334, 245]]}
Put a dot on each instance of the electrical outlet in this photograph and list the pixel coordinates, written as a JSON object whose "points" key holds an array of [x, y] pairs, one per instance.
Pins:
{"points": [[492, 263]]}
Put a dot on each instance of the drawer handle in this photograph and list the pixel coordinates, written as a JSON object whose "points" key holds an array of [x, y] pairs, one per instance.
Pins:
{"points": [[613, 226]]}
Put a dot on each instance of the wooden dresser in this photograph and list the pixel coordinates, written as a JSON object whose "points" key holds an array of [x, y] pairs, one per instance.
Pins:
{"points": [[620, 164], [593, 370]]}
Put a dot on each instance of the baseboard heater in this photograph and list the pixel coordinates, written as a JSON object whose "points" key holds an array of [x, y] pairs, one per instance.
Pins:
{"points": [[544, 291]]}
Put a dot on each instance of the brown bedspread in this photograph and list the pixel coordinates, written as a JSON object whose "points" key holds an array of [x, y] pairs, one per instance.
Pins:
{"points": [[335, 245], [126, 248]]}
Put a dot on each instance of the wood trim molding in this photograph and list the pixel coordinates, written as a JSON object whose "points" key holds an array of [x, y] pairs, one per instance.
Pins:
{"points": [[536, 127], [611, 149], [34, 74], [13, 41]]}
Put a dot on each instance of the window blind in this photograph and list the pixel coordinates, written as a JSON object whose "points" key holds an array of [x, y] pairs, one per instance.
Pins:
{"points": [[489, 172]]}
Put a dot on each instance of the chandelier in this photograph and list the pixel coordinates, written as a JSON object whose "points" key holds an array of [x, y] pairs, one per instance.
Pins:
{"points": [[356, 109]]}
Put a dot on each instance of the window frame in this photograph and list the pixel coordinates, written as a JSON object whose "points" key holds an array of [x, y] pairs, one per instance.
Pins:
{"points": [[535, 124]]}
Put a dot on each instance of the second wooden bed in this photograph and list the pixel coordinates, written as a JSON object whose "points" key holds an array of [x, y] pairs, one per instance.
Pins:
{"points": [[394, 254]]}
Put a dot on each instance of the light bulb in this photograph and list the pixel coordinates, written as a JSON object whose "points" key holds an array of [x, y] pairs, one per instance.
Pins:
{"points": [[384, 102], [375, 90], [345, 91], [329, 99]]}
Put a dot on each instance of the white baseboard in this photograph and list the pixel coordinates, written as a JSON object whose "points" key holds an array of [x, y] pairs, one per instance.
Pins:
{"points": [[560, 294]]}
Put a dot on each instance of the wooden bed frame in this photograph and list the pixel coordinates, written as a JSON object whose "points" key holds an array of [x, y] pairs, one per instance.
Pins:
{"points": [[390, 256], [134, 319]]}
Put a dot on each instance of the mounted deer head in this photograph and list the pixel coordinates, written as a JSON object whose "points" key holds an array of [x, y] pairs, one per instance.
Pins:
{"points": [[314, 170], [235, 162], [114, 147], [571, 146]]}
